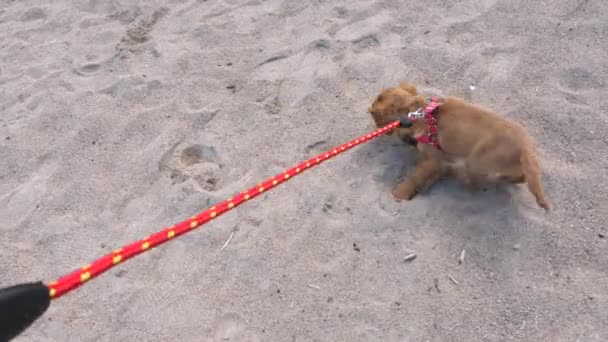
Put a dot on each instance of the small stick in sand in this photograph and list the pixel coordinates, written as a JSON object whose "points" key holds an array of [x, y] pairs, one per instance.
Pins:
{"points": [[314, 287], [228, 241], [453, 280], [461, 258], [409, 257]]}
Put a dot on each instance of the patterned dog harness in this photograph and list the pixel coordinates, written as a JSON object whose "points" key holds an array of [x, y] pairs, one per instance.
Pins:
{"points": [[431, 123]]}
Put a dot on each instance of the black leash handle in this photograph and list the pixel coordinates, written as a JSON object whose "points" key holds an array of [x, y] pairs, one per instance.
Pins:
{"points": [[20, 306]]}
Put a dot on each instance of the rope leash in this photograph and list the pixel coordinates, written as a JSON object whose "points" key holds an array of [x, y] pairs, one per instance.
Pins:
{"points": [[22, 304], [78, 277]]}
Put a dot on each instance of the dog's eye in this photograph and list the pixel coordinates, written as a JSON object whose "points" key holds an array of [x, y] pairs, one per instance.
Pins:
{"points": [[380, 98]]}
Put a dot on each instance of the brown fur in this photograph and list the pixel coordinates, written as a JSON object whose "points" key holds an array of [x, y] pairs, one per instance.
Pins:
{"points": [[477, 145]]}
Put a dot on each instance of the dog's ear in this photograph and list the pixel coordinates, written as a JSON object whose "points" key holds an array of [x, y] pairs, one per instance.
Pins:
{"points": [[410, 88]]}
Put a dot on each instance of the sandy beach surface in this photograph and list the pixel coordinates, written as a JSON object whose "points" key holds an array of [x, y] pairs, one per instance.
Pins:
{"points": [[118, 118]]}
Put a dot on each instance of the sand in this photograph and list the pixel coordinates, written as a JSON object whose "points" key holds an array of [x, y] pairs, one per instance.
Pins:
{"points": [[121, 117]]}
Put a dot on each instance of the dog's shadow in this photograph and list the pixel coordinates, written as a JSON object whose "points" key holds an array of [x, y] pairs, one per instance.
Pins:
{"points": [[391, 161], [388, 159], [490, 218]]}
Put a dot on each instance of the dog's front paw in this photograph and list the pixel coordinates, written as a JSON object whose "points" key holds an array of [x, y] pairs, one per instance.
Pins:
{"points": [[404, 191], [544, 204]]}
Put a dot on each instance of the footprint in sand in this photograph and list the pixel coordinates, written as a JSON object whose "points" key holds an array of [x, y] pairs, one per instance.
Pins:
{"points": [[273, 106], [133, 42], [341, 12], [127, 16], [34, 14], [578, 78], [199, 163], [34, 103], [366, 42], [135, 90], [231, 327], [22, 201]]}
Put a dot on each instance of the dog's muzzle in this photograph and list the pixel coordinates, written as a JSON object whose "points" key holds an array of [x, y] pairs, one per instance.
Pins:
{"points": [[406, 122]]}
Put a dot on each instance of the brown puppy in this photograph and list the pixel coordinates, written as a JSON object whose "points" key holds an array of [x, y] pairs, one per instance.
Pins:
{"points": [[476, 145]]}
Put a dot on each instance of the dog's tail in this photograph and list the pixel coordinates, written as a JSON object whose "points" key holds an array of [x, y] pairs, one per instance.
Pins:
{"points": [[532, 174]]}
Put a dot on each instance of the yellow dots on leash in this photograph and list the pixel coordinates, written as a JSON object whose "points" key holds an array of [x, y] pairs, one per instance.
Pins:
{"points": [[247, 196], [274, 182], [298, 170], [85, 276], [230, 202], [52, 291], [193, 224], [307, 164], [261, 189], [286, 176], [117, 257], [145, 245], [171, 234]]}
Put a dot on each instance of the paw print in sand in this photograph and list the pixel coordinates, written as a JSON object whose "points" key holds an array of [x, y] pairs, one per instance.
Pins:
{"points": [[198, 163]]}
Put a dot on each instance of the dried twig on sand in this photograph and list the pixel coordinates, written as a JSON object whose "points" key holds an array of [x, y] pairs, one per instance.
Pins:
{"points": [[314, 287], [453, 280], [409, 257], [228, 241], [461, 258]]}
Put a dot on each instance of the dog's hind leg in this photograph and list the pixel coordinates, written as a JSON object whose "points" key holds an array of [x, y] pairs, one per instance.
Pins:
{"points": [[532, 175]]}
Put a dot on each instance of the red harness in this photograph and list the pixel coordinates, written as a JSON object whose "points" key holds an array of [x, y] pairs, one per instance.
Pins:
{"points": [[431, 125]]}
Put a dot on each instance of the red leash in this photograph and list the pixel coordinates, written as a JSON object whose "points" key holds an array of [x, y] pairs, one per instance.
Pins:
{"points": [[73, 280]]}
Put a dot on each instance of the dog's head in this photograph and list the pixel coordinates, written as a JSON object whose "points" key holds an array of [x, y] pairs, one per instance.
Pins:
{"points": [[394, 103]]}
